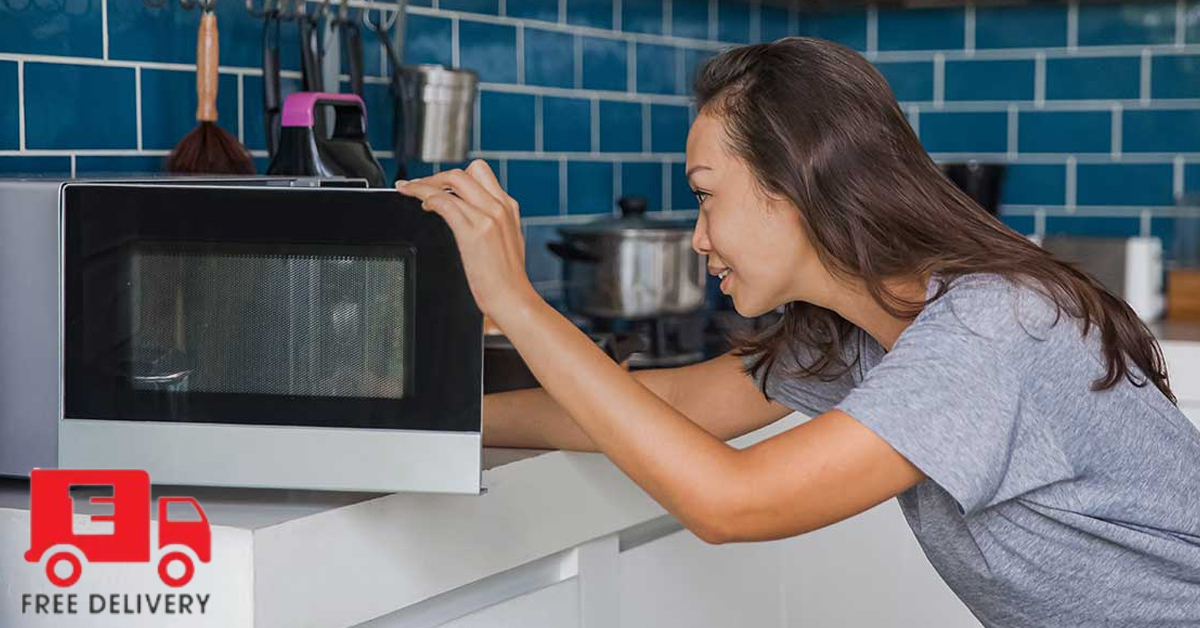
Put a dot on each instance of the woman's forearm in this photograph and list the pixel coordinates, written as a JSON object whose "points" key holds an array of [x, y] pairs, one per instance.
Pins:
{"points": [[530, 419]]}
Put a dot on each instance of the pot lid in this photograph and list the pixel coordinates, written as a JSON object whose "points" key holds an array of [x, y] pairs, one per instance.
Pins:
{"points": [[633, 221]]}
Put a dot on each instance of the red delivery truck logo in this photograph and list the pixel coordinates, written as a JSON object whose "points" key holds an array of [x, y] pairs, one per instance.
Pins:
{"points": [[52, 530]]}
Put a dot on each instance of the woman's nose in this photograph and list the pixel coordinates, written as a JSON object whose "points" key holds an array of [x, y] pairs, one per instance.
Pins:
{"points": [[700, 243]]}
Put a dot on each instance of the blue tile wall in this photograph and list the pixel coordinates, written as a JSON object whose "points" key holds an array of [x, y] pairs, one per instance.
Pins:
{"points": [[1064, 132], [990, 80], [1093, 78], [1028, 26], [572, 126], [566, 124], [620, 127], [549, 58], [910, 80]]}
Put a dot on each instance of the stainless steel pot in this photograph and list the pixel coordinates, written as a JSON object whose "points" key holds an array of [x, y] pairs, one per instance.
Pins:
{"points": [[632, 267]]}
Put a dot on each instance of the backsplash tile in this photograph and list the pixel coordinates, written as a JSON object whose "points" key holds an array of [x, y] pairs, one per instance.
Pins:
{"points": [[1093, 78], [546, 61], [973, 89], [1108, 24], [964, 132], [566, 124], [605, 63], [1064, 132], [589, 187], [490, 50], [108, 120], [990, 80], [10, 130], [1125, 184], [620, 127], [1175, 76], [656, 69], [921, 29], [642, 17], [52, 29], [506, 121], [910, 80], [534, 184], [644, 179], [1024, 26]]}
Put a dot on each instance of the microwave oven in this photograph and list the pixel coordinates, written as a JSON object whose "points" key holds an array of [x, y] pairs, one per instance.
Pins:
{"points": [[250, 333]]}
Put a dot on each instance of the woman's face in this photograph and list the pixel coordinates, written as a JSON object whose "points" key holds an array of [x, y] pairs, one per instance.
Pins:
{"points": [[754, 239]]}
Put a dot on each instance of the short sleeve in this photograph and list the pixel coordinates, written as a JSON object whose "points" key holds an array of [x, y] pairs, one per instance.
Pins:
{"points": [[810, 396], [947, 399]]}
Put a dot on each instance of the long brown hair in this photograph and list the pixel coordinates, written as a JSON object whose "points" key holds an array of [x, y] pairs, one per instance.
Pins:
{"points": [[818, 125]]}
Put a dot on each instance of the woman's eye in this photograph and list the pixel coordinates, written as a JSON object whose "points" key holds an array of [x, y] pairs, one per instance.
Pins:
{"points": [[700, 196]]}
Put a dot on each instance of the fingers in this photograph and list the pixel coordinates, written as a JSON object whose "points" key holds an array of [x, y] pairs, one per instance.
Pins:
{"points": [[457, 213], [465, 187], [482, 172]]}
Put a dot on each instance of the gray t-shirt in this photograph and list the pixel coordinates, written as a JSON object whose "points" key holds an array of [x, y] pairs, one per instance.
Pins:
{"points": [[1047, 504]]}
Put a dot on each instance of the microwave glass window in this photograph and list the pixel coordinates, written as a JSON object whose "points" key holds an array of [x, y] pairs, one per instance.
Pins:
{"points": [[307, 323]]}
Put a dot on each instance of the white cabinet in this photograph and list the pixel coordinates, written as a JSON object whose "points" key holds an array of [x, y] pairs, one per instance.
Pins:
{"points": [[556, 606], [679, 580], [866, 571]]}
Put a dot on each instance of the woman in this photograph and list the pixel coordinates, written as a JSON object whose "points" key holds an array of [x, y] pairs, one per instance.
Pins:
{"points": [[1020, 412]]}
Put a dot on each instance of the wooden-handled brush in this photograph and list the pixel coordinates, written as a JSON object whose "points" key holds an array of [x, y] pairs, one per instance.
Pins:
{"points": [[208, 149]]}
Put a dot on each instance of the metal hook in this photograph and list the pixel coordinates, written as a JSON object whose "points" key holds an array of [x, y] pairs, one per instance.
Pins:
{"points": [[384, 26]]}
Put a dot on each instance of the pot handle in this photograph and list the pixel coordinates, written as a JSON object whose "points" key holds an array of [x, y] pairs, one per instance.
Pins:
{"points": [[570, 252]]}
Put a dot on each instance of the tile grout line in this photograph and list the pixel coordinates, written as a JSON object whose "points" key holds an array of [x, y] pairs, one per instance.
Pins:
{"points": [[681, 85], [1072, 25], [646, 126], [501, 9], [667, 10], [872, 31], [1013, 132], [939, 80], [562, 186], [631, 67], [1144, 224], [1071, 184], [454, 43], [914, 120], [578, 61], [539, 118], [1177, 175], [1145, 68], [1117, 112], [520, 54], [616, 16], [755, 21], [616, 179], [714, 27], [104, 28], [241, 118], [666, 185], [21, 104], [477, 114], [594, 126], [969, 28], [72, 165], [504, 173], [1180, 23], [137, 95], [562, 11], [1039, 80], [1039, 223]]}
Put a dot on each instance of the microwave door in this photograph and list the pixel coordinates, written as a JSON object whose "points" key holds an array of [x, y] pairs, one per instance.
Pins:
{"points": [[293, 338]]}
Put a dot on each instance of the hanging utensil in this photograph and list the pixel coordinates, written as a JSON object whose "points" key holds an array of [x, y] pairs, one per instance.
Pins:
{"points": [[352, 40], [272, 100], [331, 57], [310, 52]]}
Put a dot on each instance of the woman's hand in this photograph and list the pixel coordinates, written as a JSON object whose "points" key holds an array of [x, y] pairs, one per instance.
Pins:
{"points": [[486, 223]]}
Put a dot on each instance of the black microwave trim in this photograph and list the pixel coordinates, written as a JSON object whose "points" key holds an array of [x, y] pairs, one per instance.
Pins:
{"points": [[101, 222]]}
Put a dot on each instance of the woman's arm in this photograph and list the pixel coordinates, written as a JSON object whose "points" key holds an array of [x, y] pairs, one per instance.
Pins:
{"points": [[715, 394], [815, 474]]}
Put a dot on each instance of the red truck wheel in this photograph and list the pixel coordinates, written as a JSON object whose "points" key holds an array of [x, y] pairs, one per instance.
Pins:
{"points": [[52, 565], [188, 569]]}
